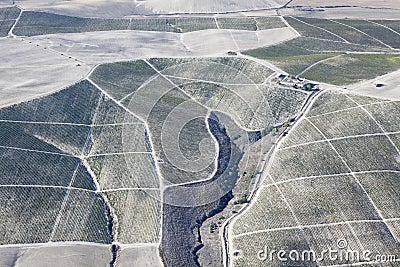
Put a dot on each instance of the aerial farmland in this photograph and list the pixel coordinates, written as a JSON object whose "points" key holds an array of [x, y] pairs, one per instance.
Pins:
{"points": [[179, 133]]}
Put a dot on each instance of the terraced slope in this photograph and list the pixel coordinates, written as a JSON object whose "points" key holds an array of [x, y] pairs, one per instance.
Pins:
{"points": [[332, 184]]}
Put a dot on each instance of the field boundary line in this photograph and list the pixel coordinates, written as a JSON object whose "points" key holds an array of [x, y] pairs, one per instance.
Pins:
{"points": [[48, 187], [72, 124], [384, 26], [130, 189], [327, 176], [212, 82], [152, 78], [38, 151], [64, 203], [216, 23], [289, 26], [86, 164], [46, 123], [55, 244], [233, 39], [117, 154], [10, 32], [138, 245]]}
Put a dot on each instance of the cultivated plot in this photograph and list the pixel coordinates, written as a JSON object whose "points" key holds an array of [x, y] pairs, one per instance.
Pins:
{"points": [[387, 35], [308, 30], [66, 106], [383, 189], [368, 153], [35, 168], [109, 139], [28, 214], [328, 200], [124, 171], [330, 102], [82, 218], [386, 114], [266, 216], [34, 23], [138, 214], [65, 255], [354, 68], [346, 123], [307, 160]]}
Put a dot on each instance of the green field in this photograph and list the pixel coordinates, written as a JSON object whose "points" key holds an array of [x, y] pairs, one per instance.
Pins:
{"points": [[34, 23], [392, 24], [248, 24], [353, 68], [345, 32], [308, 30], [296, 55], [381, 33]]}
